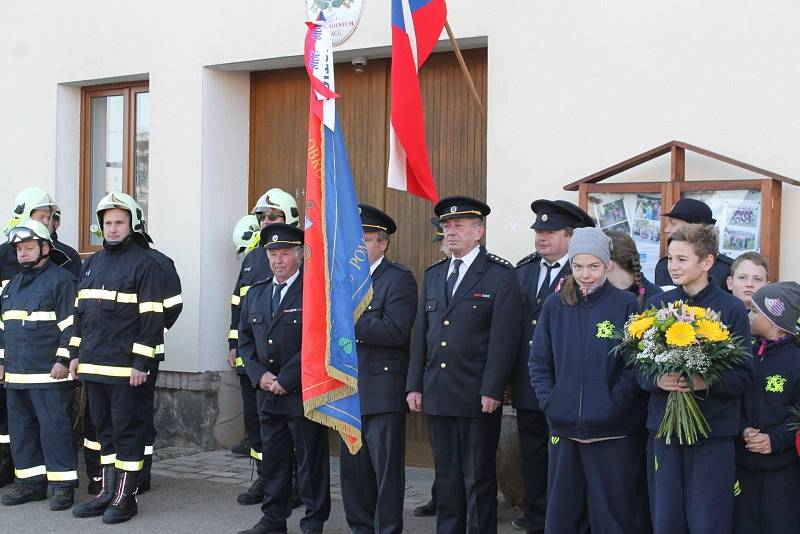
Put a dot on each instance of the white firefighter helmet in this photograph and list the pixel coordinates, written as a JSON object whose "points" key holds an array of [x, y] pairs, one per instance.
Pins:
{"points": [[29, 230], [278, 199], [32, 198], [28, 200], [246, 233], [121, 201]]}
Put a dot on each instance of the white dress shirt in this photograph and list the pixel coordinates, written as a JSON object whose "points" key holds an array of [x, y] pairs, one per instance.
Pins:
{"points": [[462, 270], [289, 282], [553, 273]]}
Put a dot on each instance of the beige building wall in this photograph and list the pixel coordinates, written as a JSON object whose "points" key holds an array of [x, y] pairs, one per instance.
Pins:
{"points": [[573, 87]]}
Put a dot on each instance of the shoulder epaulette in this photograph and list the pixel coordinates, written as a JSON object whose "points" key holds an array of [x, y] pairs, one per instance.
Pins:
{"points": [[530, 258], [261, 282], [399, 266], [724, 259], [499, 260], [437, 263]]}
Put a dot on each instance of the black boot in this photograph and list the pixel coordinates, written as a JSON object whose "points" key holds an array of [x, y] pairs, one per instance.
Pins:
{"points": [[98, 504], [144, 475], [95, 485], [426, 510], [62, 499], [6, 465], [255, 494], [23, 493], [123, 506], [242, 448]]}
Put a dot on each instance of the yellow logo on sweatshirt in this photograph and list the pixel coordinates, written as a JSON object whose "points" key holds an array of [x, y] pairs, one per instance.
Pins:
{"points": [[775, 384]]}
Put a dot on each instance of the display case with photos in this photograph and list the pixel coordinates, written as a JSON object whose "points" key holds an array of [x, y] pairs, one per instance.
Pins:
{"points": [[748, 212], [636, 214]]}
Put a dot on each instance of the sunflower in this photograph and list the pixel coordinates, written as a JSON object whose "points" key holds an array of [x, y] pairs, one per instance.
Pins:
{"points": [[712, 330], [680, 335], [699, 313], [638, 327]]}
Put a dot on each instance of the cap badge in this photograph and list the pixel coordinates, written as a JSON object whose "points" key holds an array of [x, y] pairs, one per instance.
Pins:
{"points": [[544, 218], [774, 306], [453, 209], [275, 237]]}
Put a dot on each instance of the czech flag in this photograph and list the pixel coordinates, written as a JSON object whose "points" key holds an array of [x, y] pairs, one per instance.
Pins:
{"points": [[337, 285], [416, 26]]}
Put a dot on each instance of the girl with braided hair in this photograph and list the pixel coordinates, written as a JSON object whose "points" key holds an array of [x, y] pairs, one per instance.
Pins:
{"points": [[626, 270], [626, 273]]}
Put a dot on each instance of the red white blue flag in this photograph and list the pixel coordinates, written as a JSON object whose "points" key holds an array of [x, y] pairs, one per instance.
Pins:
{"points": [[336, 281], [416, 26]]}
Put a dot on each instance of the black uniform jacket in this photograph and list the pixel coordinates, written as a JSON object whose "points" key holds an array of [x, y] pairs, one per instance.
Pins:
{"points": [[119, 316], [528, 268], [171, 289], [268, 343], [37, 317], [465, 349], [719, 272], [383, 335], [74, 264], [255, 268]]}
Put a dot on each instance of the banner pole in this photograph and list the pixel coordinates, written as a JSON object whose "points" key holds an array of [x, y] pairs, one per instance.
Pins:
{"points": [[464, 70]]}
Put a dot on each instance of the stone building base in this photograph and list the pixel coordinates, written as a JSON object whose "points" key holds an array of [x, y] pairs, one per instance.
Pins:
{"points": [[198, 410]]}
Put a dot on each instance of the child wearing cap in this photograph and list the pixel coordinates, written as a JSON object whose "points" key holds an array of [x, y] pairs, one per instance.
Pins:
{"points": [[692, 486], [748, 274], [767, 469], [586, 394]]}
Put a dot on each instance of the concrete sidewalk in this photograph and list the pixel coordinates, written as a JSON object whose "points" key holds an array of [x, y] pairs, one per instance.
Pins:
{"points": [[197, 493]]}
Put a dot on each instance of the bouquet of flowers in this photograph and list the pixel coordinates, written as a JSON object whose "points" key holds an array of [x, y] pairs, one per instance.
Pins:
{"points": [[683, 339]]}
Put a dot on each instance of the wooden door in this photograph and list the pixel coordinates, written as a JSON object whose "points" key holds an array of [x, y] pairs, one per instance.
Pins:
{"points": [[456, 141]]}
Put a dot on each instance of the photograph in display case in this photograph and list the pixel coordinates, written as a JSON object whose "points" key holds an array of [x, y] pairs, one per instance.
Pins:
{"points": [[738, 215], [637, 215]]}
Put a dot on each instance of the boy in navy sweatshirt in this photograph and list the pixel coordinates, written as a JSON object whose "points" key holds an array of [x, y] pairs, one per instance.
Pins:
{"points": [[767, 468], [692, 486], [587, 395]]}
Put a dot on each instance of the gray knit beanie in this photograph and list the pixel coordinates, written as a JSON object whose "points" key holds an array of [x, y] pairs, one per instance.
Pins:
{"points": [[780, 303], [591, 241]]}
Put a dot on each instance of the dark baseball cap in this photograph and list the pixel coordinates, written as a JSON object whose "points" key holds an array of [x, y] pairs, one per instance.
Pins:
{"points": [[692, 211]]}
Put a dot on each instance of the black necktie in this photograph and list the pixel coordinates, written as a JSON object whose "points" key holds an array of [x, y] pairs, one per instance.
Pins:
{"points": [[451, 280], [276, 297], [546, 281]]}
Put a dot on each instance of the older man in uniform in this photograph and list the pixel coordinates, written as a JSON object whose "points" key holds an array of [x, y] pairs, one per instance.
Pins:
{"points": [[270, 338], [274, 206], [539, 274], [373, 480], [465, 343], [691, 211]]}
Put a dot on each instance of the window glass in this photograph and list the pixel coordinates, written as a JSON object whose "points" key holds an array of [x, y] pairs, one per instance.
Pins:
{"points": [[107, 147]]}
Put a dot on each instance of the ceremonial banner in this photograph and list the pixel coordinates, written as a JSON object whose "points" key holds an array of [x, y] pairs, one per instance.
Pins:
{"points": [[336, 280], [416, 26]]}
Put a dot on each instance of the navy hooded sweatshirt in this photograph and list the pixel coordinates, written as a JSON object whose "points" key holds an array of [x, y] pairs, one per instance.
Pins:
{"points": [[584, 391], [765, 406], [720, 404]]}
